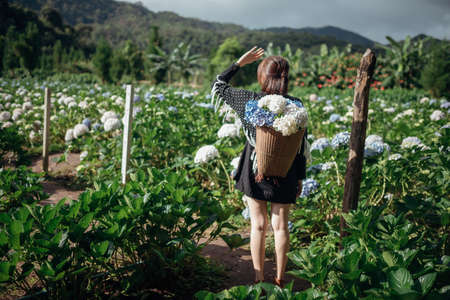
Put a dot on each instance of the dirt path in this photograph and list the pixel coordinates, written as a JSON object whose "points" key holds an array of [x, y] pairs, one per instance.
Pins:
{"points": [[59, 185], [239, 267]]}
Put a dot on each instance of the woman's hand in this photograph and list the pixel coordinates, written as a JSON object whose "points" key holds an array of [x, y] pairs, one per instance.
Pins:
{"points": [[299, 189], [250, 56]]}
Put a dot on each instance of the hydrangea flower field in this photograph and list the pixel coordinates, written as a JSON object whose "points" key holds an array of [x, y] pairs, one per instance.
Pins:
{"points": [[182, 160]]}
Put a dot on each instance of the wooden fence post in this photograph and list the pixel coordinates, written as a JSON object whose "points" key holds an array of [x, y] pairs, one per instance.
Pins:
{"points": [[47, 107], [127, 132], [358, 134]]}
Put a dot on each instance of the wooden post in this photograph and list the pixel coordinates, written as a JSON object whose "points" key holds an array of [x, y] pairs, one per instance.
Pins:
{"points": [[127, 132], [358, 134], [47, 107]]}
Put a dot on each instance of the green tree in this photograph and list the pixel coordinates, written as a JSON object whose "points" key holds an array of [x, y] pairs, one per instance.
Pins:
{"points": [[435, 76], [119, 66], [153, 45], [10, 60], [102, 60], [57, 54], [135, 60]]}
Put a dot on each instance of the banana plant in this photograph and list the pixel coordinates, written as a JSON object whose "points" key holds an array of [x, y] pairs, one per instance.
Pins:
{"points": [[163, 61], [403, 61], [187, 63]]}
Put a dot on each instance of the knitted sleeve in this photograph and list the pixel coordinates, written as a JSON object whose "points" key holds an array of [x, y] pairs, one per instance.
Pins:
{"points": [[223, 91]]}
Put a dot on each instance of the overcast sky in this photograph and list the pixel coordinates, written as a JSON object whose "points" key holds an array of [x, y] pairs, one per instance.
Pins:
{"points": [[373, 19]]}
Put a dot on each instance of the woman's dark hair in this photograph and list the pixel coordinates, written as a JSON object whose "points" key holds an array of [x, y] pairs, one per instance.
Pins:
{"points": [[273, 75]]}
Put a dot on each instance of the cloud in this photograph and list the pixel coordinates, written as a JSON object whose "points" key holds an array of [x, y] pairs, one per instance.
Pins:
{"points": [[372, 19]]}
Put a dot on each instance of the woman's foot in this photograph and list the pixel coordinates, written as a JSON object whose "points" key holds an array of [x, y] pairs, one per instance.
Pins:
{"points": [[278, 282]]}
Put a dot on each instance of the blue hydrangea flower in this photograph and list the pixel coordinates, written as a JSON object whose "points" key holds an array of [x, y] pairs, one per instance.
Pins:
{"points": [[160, 97], [340, 139], [91, 92], [97, 127], [336, 97], [329, 101], [106, 94], [208, 96], [290, 226], [173, 109], [432, 101], [315, 168], [445, 105], [147, 95], [246, 213], [375, 148], [137, 98], [136, 110], [87, 122], [258, 116], [320, 144], [335, 118], [309, 185]]}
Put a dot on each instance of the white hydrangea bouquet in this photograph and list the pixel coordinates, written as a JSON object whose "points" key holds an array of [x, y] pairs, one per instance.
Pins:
{"points": [[280, 125]]}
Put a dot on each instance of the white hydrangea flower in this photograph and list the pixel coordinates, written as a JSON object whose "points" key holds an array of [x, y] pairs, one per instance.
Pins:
{"points": [[68, 100], [119, 101], [299, 113], [228, 130], [7, 124], [69, 135], [72, 104], [328, 108], [108, 115], [424, 100], [54, 118], [313, 97], [27, 106], [437, 115], [205, 154], [112, 124], [410, 142], [389, 110], [79, 130], [37, 124], [275, 103], [373, 138], [33, 136], [395, 156], [83, 104], [5, 116], [83, 155], [286, 124], [235, 162]]}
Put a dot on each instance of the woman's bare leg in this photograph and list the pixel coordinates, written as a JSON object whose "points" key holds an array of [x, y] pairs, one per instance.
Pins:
{"points": [[258, 218], [280, 213]]}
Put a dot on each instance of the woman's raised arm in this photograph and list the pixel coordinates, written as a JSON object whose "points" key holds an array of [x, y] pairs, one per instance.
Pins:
{"points": [[222, 91]]}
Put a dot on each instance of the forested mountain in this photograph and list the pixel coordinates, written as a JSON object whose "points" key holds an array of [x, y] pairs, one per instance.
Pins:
{"points": [[338, 33], [119, 21]]}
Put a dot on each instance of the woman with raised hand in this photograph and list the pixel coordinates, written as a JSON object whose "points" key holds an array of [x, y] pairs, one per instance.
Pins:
{"points": [[273, 78]]}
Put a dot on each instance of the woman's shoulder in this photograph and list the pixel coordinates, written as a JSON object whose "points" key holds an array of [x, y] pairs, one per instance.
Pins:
{"points": [[294, 98]]}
